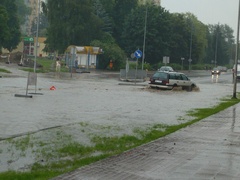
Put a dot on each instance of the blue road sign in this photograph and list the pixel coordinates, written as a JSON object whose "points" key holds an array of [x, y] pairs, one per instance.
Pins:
{"points": [[138, 53]]}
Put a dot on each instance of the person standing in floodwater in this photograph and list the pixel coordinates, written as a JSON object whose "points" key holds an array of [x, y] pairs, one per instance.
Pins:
{"points": [[58, 65]]}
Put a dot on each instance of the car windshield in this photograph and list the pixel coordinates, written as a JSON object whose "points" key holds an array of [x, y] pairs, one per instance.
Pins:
{"points": [[215, 69], [160, 75], [166, 68]]}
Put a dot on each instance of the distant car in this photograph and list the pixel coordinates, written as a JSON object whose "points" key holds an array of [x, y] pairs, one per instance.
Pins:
{"points": [[222, 68], [166, 69], [216, 71], [169, 80], [238, 71]]}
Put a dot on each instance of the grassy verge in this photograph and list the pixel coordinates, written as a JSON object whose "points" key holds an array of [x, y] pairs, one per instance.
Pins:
{"points": [[4, 70], [47, 66], [72, 154]]}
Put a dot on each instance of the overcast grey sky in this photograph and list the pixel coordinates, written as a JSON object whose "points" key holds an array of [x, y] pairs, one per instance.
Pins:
{"points": [[207, 11]]}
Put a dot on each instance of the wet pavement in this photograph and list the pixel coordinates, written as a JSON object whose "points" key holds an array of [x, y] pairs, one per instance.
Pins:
{"points": [[209, 149]]}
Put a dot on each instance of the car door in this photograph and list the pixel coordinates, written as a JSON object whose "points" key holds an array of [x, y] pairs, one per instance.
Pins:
{"points": [[178, 79], [185, 80]]}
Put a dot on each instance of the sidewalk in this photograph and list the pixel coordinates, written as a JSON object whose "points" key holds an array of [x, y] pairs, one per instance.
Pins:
{"points": [[209, 149]]}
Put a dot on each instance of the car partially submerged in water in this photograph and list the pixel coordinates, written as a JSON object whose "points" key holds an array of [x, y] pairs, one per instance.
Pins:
{"points": [[169, 80]]}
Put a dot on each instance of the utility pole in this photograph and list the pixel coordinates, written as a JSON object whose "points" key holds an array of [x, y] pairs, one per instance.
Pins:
{"points": [[236, 57], [144, 39], [216, 47], [190, 51], [36, 45]]}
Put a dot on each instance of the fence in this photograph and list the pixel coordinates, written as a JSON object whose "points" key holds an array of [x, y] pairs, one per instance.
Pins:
{"points": [[133, 75]]}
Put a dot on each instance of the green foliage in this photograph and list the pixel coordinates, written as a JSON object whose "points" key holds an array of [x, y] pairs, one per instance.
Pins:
{"points": [[179, 39], [167, 34], [111, 52], [71, 23], [100, 12], [121, 10], [23, 11], [220, 44], [12, 39], [4, 29], [42, 26], [157, 34], [4, 70]]}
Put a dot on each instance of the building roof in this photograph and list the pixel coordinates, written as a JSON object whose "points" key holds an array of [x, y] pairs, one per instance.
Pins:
{"points": [[84, 49]]}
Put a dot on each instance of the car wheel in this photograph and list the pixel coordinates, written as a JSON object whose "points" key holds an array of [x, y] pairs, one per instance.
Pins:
{"points": [[191, 87], [188, 88], [174, 86]]}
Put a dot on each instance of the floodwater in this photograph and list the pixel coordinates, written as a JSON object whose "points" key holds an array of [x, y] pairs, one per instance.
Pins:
{"points": [[87, 105]]}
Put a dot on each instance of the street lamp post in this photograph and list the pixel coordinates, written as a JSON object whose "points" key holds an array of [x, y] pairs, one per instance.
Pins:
{"points": [[216, 47], [190, 50], [144, 39], [236, 57], [182, 62], [189, 65], [36, 45]]}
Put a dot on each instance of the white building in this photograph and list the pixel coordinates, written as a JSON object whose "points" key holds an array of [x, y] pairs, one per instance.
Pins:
{"points": [[82, 56]]}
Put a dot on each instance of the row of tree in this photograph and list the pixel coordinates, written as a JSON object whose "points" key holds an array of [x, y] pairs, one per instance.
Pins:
{"points": [[119, 28]]}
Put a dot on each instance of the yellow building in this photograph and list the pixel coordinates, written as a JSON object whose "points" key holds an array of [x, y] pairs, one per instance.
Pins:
{"points": [[28, 47]]}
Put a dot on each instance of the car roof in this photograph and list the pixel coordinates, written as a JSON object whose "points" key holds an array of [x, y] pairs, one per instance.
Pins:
{"points": [[170, 72], [166, 66]]}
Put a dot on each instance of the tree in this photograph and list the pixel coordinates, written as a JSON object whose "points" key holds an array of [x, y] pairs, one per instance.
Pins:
{"points": [[121, 10], [100, 12], [22, 11], [197, 38], [179, 39], [71, 23], [221, 42], [4, 29], [11, 41], [111, 52], [42, 26], [157, 35]]}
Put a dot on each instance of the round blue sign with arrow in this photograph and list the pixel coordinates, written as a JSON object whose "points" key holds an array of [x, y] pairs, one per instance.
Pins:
{"points": [[138, 53]]}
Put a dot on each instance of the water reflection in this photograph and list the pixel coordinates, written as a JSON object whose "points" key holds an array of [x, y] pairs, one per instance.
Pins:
{"points": [[215, 78]]}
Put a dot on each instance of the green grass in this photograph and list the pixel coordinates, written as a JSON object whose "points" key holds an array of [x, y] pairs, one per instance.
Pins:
{"points": [[4, 70], [73, 155], [47, 66]]}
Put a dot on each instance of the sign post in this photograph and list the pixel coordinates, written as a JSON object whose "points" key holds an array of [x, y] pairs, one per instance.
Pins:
{"points": [[166, 60], [137, 54], [189, 65], [127, 69]]}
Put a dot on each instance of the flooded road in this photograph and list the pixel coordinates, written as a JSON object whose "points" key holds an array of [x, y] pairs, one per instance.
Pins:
{"points": [[89, 105], [97, 101]]}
